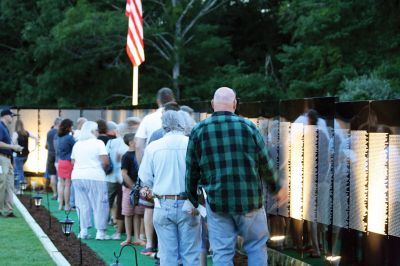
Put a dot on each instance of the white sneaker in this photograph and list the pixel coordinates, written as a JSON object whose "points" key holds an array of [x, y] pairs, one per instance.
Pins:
{"points": [[102, 236], [83, 236], [116, 236]]}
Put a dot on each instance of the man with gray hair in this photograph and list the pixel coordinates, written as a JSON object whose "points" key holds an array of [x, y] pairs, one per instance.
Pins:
{"points": [[149, 124], [79, 123], [163, 170]]}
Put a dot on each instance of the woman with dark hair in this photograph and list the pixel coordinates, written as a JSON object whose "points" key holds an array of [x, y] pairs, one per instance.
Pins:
{"points": [[21, 137], [65, 142]]}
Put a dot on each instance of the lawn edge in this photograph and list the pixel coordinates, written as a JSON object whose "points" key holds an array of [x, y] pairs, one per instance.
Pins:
{"points": [[51, 249]]}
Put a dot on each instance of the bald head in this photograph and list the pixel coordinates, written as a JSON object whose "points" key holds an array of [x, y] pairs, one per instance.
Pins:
{"points": [[224, 100]]}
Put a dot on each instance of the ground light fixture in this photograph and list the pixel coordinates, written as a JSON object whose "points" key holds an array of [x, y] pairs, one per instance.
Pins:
{"points": [[66, 225], [117, 263], [37, 199], [33, 186], [277, 241], [333, 260], [22, 186]]}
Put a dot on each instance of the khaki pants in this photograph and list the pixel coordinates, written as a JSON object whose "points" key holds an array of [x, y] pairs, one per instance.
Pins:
{"points": [[6, 186]]}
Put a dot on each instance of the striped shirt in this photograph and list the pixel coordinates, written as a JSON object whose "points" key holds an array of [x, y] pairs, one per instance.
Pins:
{"points": [[228, 158]]}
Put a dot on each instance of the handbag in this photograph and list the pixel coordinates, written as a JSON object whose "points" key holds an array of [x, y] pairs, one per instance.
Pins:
{"points": [[135, 193], [110, 166]]}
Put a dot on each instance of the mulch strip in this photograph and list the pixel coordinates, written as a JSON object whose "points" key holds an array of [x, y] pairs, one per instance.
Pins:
{"points": [[68, 246]]}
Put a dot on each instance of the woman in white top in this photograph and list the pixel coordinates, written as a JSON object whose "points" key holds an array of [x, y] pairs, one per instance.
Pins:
{"points": [[89, 157]]}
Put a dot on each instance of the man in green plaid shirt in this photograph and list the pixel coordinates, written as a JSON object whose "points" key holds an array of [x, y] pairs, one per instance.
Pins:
{"points": [[227, 157]]}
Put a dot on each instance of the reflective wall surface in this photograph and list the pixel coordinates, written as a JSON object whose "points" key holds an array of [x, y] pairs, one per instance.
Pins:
{"points": [[340, 163]]}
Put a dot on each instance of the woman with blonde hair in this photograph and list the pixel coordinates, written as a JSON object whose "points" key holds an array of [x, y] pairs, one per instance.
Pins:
{"points": [[21, 137], [90, 159]]}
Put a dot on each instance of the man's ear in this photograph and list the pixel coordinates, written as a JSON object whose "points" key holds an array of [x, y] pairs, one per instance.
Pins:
{"points": [[212, 104], [234, 104]]}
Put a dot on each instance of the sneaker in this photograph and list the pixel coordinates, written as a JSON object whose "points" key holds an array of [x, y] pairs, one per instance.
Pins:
{"points": [[142, 237], [148, 251], [102, 236], [87, 236], [116, 236]]}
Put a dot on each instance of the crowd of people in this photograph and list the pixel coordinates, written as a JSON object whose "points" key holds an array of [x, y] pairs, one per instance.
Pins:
{"points": [[188, 179]]}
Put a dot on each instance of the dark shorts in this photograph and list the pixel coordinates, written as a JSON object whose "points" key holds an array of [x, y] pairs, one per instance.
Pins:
{"points": [[50, 167], [115, 190]]}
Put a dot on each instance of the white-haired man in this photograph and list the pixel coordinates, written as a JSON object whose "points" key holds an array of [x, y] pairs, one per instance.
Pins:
{"points": [[163, 169]]}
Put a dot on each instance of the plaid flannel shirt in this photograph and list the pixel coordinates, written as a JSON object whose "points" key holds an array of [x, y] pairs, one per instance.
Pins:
{"points": [[227, 157]]}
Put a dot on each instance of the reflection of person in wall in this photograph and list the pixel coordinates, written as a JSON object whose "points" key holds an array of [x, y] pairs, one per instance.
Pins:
{"points": [[312, 226], [269, 129], [316, 231], [21, 137]]}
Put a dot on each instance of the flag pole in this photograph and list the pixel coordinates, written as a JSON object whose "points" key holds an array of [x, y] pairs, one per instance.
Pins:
{"points": [[135, 85]]}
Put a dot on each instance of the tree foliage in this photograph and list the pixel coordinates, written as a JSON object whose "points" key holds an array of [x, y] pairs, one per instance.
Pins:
{"points": [[71, 53]]}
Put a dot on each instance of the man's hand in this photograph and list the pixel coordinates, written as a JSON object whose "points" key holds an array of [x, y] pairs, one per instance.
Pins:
{"points": [[281, 197], [194, 212], [17, 148]]}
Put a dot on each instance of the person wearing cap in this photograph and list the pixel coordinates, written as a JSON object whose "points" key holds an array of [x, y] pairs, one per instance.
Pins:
{"points": [[6, 167]]}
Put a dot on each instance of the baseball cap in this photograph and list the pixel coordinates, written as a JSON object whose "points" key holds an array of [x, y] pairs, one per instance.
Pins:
{"points": [[7, 112]]}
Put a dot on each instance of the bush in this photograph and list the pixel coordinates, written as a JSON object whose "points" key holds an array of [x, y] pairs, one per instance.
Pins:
{"points": [[367, 88]]}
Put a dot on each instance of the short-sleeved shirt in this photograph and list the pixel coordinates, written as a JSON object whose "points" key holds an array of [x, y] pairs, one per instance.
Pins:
{"points": [[64, 147], [116, 148], [130, 164], [86, 154], [50, 140], [5, 137], [23, 140], [105, 138], [149, 124]]}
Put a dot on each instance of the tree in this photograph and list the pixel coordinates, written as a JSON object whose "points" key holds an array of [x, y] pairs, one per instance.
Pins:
{"points": [[170, 29]]}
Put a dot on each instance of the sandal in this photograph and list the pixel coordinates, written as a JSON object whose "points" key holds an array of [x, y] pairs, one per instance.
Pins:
{"points": [[126, 242], [139, 243]]}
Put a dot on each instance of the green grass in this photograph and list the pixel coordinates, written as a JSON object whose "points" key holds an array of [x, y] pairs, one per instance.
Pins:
{"points": [[19, 245]]}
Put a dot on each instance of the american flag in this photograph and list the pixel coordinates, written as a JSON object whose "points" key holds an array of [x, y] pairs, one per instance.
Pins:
{"points": [[134, 45]]}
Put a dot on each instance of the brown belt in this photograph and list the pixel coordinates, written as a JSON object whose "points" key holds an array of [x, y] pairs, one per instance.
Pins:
{"points": [[174, 197]]}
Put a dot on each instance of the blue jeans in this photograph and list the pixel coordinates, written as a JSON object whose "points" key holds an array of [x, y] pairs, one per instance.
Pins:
{"points": [[19, 170], [178, 234], [223, 230]]}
